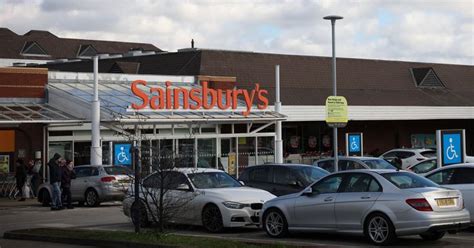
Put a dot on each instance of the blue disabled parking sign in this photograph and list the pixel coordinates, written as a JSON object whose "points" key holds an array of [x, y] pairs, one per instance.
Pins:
{"points": [[354, 144], [122, 154], [451, 148]]}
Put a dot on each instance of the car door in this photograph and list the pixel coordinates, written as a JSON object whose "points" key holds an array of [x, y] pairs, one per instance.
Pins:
{"points": [[463, 180], [261, 177], [356, 197], [316, 211], [79, 185]]}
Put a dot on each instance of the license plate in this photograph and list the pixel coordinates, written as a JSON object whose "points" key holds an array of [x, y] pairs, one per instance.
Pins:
{"points": [[445, 202]]}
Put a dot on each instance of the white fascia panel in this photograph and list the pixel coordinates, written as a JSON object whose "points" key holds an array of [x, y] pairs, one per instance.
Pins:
{"points": [[374, 113]]}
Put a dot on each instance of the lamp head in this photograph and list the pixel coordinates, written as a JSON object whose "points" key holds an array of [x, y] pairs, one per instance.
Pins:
{"points": [[333, 17]]}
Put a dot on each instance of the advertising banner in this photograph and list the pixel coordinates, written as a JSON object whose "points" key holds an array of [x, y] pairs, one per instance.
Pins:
{"points": [[336, 111]]}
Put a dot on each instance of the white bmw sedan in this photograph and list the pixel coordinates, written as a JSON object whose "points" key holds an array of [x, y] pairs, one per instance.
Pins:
{"points": [[380, 204], [198, 196]]}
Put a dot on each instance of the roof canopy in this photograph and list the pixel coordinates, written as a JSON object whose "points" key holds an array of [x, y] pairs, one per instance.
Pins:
{"points": [[14, 113], [116, 98]]}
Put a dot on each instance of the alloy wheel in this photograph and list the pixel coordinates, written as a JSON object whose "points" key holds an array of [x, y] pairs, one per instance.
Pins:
{"points": [[378, 229], [274, 223], [212, 219], [91, 198]]}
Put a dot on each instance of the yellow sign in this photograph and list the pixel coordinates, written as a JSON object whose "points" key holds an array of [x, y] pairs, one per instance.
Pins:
{"points": [[4, 164], [336, 111], [231, 167]]}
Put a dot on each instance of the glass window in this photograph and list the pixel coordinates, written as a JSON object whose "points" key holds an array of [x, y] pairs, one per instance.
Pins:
{"points": [[83, 171], [404, 155], [429, 154], [260, 174], [284, 176], [357, 183], [171, 180], [118, 170], [211, 180], [425, 166], [207, 153], [327, 165], [463, 176], [379, 164], [310, 174], [328, 185], [407, 180], [375, 186], [186, 152], [82, 153], [442, 177], [390, 155], [62, 148]]}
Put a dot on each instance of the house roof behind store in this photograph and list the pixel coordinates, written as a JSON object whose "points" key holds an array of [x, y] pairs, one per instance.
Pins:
{"points": [[306, 80], [39, 44]]}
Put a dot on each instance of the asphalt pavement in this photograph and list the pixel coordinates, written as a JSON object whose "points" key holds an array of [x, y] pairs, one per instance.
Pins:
{"points": [[109, 216]]}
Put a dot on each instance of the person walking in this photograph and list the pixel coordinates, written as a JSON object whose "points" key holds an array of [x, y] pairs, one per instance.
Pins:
{"points": [[55, 180], [20, 175], [67, 174]]}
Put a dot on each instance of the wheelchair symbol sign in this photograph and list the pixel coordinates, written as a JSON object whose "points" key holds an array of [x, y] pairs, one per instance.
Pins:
{"points": [[122, 155], [452, 148], [354, 143]]}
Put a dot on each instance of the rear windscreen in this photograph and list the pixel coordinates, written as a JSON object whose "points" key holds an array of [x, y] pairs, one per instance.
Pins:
{"points": [[118, 170], [407, 180], [428, 154]]}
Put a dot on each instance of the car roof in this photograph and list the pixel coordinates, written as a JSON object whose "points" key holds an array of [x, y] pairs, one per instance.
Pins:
{"points": [[191, 170], [378, 171], [411, 149], [353, 157], [104, 165], [284, 164]]}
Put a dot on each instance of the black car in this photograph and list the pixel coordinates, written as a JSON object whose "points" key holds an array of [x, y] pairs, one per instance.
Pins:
{"points": [[281, 179]]}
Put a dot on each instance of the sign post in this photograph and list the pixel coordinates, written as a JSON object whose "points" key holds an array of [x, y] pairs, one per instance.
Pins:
{"points": [[451, 146], [122, 154], [354, 144], [336, 116]]}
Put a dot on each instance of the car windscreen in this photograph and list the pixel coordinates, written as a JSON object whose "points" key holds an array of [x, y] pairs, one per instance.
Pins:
{"points": [[211, 180], [429, 154], [310, 174], [379, 164], [117, 170], [407, 180]]}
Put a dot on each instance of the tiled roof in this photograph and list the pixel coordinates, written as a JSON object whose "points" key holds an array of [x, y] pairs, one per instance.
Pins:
{"points": [[12, 44], [306, 80]]}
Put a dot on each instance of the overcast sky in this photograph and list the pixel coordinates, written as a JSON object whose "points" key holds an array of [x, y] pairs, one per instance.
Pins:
{"points": [[424, 30]]}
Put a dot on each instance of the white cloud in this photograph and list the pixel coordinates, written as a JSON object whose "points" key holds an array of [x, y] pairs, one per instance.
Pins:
{"points": [[423, 30]]}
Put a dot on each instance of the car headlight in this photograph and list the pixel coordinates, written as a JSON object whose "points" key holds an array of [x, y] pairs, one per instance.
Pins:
{"points": [[234, 205]]}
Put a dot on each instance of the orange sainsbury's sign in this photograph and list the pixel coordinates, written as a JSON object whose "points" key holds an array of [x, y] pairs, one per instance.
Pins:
{"points": [[168, 98]]}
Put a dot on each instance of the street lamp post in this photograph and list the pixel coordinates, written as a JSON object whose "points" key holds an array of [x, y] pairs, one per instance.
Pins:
{"points": [[333, 19]]}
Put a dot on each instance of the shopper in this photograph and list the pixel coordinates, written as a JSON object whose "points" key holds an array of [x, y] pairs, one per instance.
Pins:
{"points": [[20, 175], [36, 176], [67, 173], [55, 180]]}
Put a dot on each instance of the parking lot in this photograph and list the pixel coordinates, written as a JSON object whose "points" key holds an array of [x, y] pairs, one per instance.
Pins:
{"points": [[109, 216]]}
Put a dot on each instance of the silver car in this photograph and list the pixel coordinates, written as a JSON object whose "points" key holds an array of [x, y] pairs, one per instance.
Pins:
{"points": [[380, 204], [354, 163], [460, 177], [93, 184]]}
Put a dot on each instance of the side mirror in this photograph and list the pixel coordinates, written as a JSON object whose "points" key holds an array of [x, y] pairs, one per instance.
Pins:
{"points": [[308, 191], [242, 182], [183, 186]]}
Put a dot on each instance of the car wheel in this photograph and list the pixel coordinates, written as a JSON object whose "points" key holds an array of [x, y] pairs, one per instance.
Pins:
{"points": [[379, 229], [144, 222], [212, 219], [432, 236], [275, 224], [92, 198], [45, 198]]}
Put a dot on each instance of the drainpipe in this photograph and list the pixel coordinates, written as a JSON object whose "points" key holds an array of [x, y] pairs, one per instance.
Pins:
{"points": [[278, 140], [96, 148]]}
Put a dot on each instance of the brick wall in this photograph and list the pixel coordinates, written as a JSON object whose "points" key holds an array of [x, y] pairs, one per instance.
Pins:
{"points": [[23, 82]]}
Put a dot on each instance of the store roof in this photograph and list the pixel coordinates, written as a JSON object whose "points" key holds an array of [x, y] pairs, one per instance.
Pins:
{"points": [[306, 80], [43, 45], [13, 113], [116, 99]]}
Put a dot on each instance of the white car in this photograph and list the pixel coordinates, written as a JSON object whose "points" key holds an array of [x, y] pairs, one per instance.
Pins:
{"points": [[409, 156], [206, 197], [460, 177]]}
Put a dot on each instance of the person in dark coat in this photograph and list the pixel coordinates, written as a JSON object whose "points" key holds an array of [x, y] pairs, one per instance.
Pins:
{"points": [[55, 181], [67, 174], [20, 175]]}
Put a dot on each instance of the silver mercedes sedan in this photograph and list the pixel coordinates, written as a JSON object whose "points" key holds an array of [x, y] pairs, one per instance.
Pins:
{"points": [[380, 204]]}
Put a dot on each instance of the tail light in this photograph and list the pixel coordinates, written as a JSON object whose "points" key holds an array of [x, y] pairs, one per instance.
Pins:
{"points": [[107, 179], [420, 204]]}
